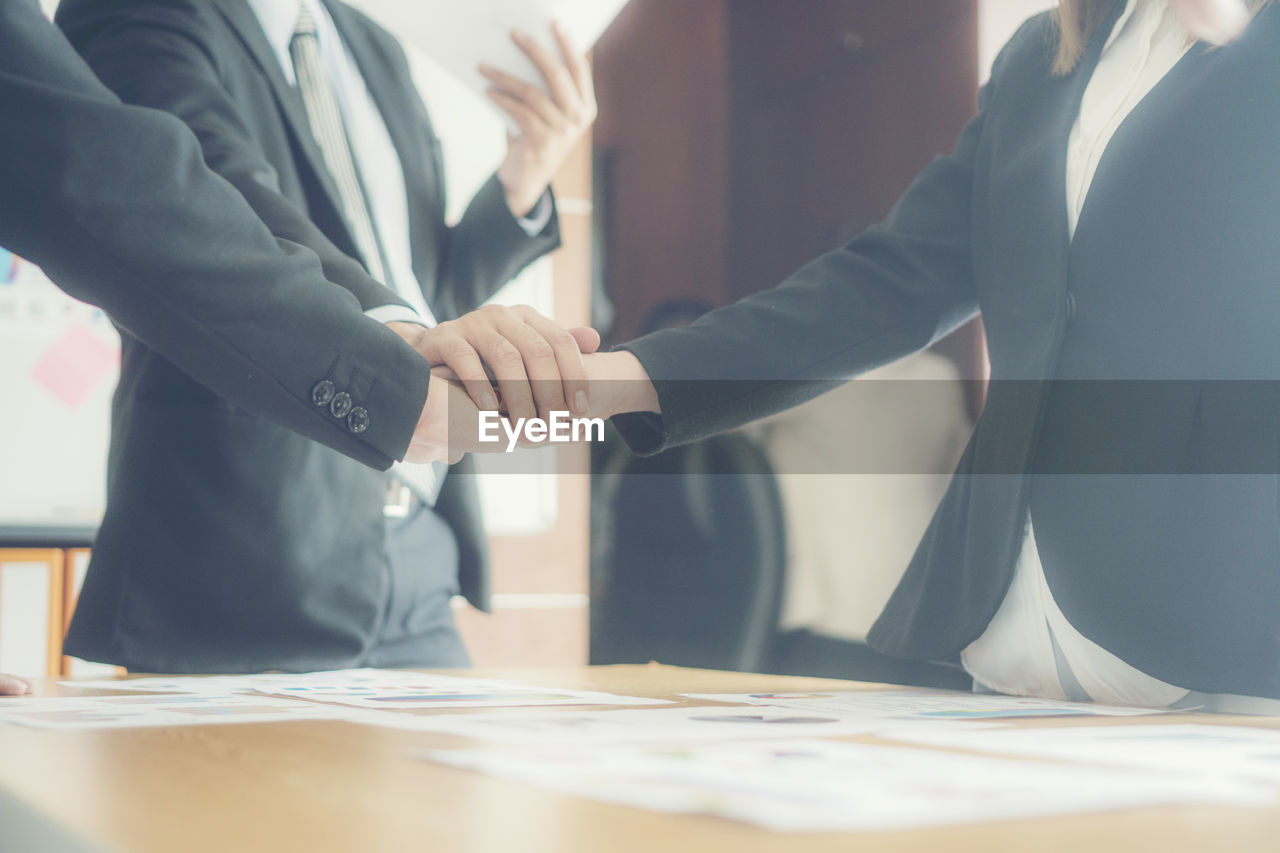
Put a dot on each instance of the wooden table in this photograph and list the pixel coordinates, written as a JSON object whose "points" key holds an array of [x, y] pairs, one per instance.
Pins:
{"points": [[340, 787]]}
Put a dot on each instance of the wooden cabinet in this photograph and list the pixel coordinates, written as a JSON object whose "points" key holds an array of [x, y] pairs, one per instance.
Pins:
{"points": [[739, 139], [539, 618], [38, 591], [32, 581]]}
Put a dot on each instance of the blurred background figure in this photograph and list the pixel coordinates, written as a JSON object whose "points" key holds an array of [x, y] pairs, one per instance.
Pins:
{"points": [[688, 546]]}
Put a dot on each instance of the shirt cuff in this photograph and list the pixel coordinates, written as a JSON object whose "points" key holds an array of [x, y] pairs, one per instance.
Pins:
{"points": [[537, 219], [396, 314]]}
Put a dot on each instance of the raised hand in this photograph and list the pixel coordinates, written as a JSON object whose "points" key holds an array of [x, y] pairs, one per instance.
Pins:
{"points": [[550, 123]]}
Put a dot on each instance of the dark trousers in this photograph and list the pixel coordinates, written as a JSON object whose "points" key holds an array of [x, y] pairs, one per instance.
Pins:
{"points": [[419, 631]]}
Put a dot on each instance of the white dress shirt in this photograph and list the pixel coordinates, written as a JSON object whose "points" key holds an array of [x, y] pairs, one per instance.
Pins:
{"points": [[371, 147], [1016, 654]]}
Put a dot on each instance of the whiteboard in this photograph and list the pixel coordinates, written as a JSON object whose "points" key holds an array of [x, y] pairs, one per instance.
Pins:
{"points": [[59, 360]]}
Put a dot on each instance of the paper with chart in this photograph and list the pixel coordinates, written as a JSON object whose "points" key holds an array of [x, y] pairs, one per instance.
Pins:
{"points": [[378, 689], [212, 684], [934, 705], [142, 710], [650, 725], [460, 36], [403, 690], [1243, 752], [806, 785]]}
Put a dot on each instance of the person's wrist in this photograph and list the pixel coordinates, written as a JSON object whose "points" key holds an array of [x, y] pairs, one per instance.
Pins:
{"points": [[619, 384], [522, 196], [414, 334], [431, 436]]}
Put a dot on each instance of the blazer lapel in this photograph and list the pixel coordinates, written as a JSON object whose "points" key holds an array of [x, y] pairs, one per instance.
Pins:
{"points": [[1027, 265], [1111, 172], [245, 24]]}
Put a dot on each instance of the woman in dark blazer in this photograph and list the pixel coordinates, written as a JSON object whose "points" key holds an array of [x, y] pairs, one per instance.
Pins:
{"points": [[1113, 529]]}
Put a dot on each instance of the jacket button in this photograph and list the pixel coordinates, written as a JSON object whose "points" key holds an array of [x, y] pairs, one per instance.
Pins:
{"points": [[1071, 307], [323, 392], [358, 420], [341, 404]]}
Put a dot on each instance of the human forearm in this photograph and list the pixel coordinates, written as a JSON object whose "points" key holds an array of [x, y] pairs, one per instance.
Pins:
{"points": [[485, 249]]}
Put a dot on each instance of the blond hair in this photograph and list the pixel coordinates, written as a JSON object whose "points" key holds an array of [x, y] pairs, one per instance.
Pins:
{"points": [[1078, 21]]}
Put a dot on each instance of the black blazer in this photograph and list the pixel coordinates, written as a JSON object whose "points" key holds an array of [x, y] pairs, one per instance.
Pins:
{"points": [[229, 544], [1144, 348], [116, 206]]}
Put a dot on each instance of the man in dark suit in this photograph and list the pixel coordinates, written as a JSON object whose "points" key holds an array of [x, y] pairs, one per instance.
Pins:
{"points": [[116, 205], [228, 544]]}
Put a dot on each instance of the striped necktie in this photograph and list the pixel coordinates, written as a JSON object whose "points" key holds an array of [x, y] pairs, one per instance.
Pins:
{"points": [[326, 126], [330, 134]]}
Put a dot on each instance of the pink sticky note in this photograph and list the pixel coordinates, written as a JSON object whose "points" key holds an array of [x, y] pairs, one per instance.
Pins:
{"points": [[77, 363]]}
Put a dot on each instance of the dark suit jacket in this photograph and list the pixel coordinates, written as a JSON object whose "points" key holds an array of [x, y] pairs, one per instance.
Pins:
{"points": [[228, 544], [117, 207], [1132, 409]]}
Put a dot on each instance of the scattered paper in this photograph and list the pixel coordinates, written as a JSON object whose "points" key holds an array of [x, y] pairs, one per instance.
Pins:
{"points": [[378, 689], [925, 705], [135, 711], [654, 725], [460, 36], [213, 684], [824, 786], [407, 690], [1242, 752]]}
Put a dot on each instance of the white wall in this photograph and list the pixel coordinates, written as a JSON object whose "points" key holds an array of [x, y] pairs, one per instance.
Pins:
{"points": [[997, 21]]}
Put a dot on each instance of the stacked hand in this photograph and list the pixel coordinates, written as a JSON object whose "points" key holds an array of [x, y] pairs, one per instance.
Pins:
{"points": [[497, 358]]}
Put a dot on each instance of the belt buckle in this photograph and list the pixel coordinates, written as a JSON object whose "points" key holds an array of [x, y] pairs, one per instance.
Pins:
{"points": [[399, 501]]}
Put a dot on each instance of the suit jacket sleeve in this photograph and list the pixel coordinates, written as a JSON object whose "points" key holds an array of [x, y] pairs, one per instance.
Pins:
{"points": [[157, 55], [894, 290], [485, 250], [116, 204]]}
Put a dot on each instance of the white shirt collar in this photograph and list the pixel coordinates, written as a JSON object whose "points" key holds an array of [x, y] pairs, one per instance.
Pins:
{"points": [[278, 19], [1129, 9], [1156, 11]]}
